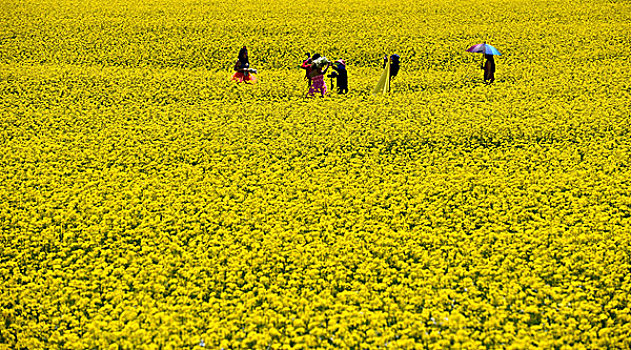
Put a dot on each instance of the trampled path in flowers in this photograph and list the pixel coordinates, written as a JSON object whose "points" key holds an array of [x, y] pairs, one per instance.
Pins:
{"points": [[148, 202]]}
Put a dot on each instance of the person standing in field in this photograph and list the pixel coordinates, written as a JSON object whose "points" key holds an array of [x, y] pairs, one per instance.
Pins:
{"points": [[319, 67], [306, 65], [489, 69], [390, 67], [394, 64], [243, 72], [339, 72]]}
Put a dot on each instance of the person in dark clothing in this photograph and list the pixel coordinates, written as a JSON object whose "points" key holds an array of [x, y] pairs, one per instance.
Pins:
{"points": [[489, 69], [341, 75], [394, 65]]}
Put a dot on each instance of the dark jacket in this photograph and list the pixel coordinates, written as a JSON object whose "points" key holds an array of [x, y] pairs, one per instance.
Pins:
{"points": [[489, 70], [394, 65], [341, 75]]}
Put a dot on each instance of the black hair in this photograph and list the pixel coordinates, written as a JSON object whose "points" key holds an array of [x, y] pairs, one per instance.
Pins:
{"points": [[243, 55]]}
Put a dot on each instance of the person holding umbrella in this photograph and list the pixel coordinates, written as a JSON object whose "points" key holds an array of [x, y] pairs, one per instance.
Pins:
{"points": [[390, 70], [394, 64], [489, 65], [489, 69]]}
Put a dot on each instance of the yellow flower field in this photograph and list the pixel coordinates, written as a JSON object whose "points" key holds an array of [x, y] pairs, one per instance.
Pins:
{"points": [[148, 202]]}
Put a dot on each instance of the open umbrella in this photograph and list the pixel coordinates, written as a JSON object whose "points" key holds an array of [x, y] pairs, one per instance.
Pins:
{"points": [[383, 86], [484, 48]]}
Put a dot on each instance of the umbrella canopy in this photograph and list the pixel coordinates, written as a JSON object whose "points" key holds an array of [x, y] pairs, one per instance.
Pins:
{"points": [[485, 49]]}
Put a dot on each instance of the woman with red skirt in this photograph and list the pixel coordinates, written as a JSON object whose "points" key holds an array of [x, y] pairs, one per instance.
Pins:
{"points": [[244, 74]]}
